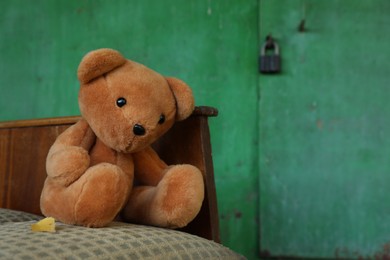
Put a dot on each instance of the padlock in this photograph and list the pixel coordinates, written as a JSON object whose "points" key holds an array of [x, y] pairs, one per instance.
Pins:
{"points": [[269, 63]]}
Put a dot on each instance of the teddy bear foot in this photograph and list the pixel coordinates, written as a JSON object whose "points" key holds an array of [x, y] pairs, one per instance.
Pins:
{"points": [[173, 203]]}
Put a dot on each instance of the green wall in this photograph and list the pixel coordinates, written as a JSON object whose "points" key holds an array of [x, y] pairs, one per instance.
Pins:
{"points": [[301, 158], [212, 45]]}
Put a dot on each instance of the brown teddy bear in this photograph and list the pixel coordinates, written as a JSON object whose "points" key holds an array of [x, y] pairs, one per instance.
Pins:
{"points": [[104, 165]]}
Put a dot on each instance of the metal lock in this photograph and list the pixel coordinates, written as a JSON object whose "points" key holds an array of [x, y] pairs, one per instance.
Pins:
{"points": [[269, 60]]}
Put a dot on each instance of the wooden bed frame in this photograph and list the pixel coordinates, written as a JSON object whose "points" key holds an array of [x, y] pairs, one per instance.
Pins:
{"points": [[24, 146]]}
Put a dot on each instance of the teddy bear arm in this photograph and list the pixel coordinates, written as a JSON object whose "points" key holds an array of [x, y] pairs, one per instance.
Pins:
{"points": [[149, 169], [68, 157], [80, 134]]}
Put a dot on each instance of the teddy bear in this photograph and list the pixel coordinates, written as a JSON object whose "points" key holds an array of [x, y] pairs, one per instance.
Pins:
{"points": [[103, 167]]}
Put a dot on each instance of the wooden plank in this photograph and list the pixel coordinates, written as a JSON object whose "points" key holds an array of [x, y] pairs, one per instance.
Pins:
{"points": [[66, 120], [23, 156]]}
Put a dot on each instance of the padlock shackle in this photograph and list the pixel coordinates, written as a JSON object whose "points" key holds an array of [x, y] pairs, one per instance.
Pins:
{"points": [[269, 46]]}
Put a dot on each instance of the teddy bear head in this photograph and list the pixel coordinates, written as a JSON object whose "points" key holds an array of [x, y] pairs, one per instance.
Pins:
{"points": [[127, 105]]}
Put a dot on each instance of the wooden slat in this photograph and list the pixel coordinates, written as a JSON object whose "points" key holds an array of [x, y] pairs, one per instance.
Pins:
{"points": [[66, 120]]}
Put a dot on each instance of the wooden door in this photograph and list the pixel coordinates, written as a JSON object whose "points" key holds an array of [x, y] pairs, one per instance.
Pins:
{"points": [[324, 130]]}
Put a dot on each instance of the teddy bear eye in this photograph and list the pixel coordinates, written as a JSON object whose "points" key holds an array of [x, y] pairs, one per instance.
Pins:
{"points": [[162, 119], [120, 102]]}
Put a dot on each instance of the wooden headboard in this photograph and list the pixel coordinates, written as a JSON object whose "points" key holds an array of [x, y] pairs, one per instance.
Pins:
{"points": [[24, 146]]}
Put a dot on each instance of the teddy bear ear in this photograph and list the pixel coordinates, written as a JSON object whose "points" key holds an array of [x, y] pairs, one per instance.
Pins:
{"points": [[185, 102], [98, 62]]}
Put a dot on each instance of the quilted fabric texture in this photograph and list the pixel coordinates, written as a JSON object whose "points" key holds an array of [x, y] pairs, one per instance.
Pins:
{"points": [[118, 241], [7, 215]]}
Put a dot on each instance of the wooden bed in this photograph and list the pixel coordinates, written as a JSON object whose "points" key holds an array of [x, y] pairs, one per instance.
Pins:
{"points": [[24, 146]]}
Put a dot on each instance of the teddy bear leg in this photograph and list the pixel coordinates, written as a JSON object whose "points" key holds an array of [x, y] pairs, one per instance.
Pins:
{"points": [[93, 200], [173, 203], [104, 191]]}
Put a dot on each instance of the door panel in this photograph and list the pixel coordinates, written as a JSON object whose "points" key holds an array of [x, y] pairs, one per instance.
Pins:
{"points": [[324, 130]]}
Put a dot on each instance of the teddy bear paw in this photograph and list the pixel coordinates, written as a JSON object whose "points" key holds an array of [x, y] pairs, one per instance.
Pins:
{"points": [[58, 167], [179, 195]]}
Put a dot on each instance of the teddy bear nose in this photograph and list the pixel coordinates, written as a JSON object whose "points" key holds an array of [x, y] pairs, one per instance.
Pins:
{"points": [[138, 129]]}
